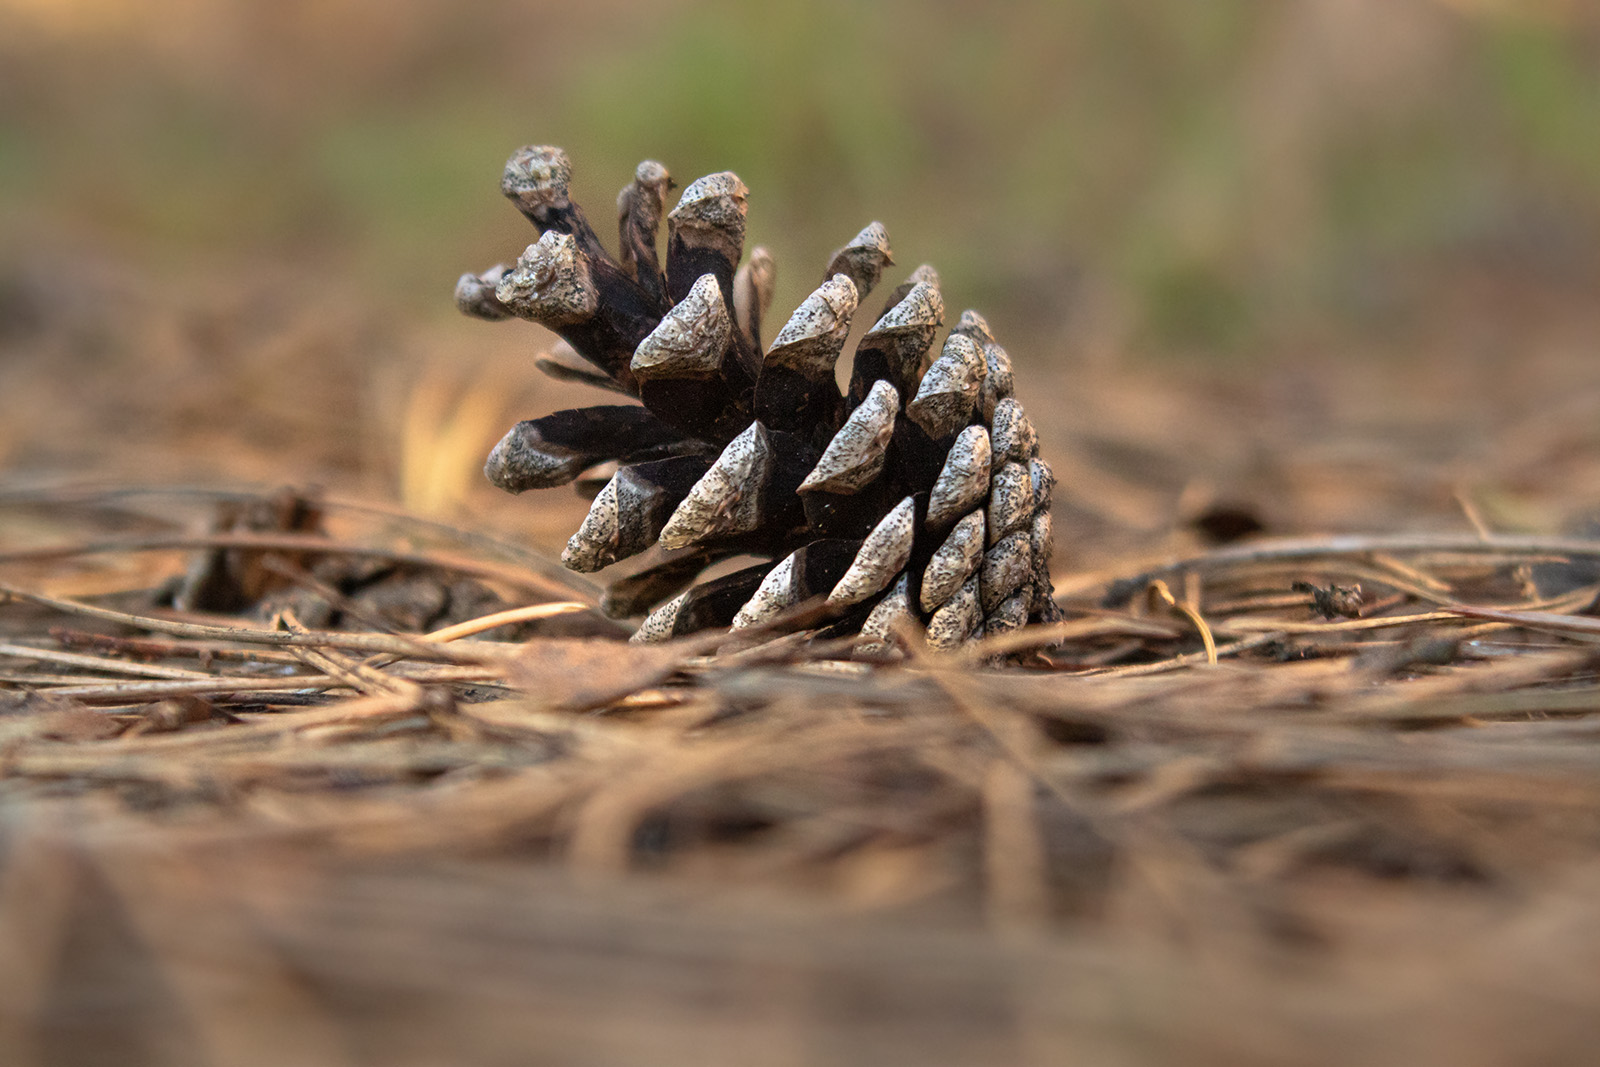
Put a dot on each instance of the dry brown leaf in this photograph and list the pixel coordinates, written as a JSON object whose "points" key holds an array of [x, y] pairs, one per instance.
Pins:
{"points": [[578, 674], [77, 723]]}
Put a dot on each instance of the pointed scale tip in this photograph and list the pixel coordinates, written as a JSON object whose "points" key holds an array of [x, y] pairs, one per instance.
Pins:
{"points": [[1011, 433], [712, 197], [882, 555], [537, 176], [1044, 483], [522, 461], [949, 389], [1010, 614], [857, 453], [997, 384], [1011, 504], [863, 259], [653, 175], [958, 620], [753, 287], [640, 206], [953, 562], [647, 193], [550, 283], [975, 326], [727, 500], [895, 346], [964, 479], [586, 550], [777, 592], [1007, 567], [475, 294], [660, 624], [691, 340], [923, 275], [712, 211], [553, 449], [921, 308], [811, 340], [880, 623], [628, 512]]}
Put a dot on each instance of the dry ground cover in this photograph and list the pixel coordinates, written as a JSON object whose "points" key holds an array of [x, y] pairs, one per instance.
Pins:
{"points": [[302, 776]]}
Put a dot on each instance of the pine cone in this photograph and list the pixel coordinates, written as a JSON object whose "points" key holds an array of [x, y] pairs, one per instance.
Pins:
{"points": [[918, 492]]}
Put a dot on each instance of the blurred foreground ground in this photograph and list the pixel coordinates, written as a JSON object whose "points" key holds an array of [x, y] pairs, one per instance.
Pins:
{"points": [[1332, 265]]}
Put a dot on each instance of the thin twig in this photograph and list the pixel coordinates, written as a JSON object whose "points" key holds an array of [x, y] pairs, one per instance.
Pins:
{"points": [[363, 678], [1159, 589], [97, 663], [479, 652], [1188, 659], [510, 616], [1309, 548], [1571, 625]]}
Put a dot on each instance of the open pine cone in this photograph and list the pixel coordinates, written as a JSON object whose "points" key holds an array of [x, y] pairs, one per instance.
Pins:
{"points": [[917, 493]]}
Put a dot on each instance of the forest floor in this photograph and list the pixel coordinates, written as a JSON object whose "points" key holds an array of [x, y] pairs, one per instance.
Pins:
{"points": [[279, 785]]}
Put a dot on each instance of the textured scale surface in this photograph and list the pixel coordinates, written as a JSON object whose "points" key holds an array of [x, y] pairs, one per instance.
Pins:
{"points": [[914, 494]]}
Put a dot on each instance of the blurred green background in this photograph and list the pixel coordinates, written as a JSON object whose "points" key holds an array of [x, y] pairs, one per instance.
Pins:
{"points": [[1161, 177]]}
